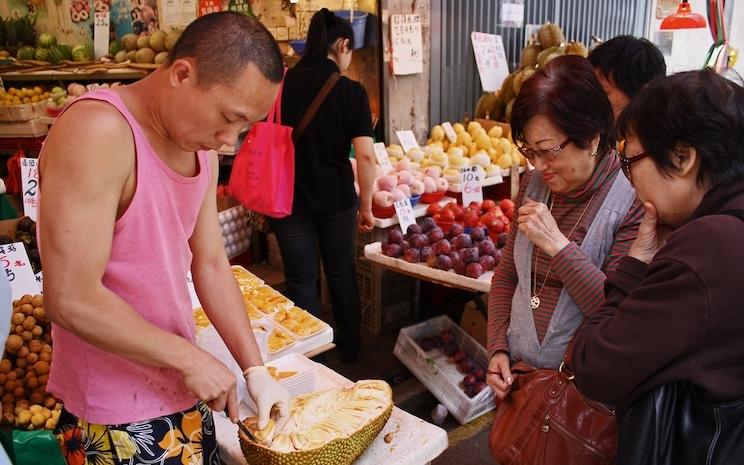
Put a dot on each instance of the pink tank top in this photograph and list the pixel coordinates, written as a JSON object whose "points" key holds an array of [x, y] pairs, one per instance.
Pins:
{"points": [[150, 257]]}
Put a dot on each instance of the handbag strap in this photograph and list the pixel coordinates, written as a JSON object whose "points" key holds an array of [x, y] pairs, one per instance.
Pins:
{"points": [[314, 106]]}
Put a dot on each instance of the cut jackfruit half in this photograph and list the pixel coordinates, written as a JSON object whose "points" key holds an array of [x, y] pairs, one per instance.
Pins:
{"points": [[329, 427]]}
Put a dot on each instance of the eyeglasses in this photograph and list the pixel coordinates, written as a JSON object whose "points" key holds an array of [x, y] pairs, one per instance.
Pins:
{"points": [[625, 162], [546, 154]]}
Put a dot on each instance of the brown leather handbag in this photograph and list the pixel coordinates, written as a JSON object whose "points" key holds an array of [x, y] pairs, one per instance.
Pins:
{"points": [[545, 420]]}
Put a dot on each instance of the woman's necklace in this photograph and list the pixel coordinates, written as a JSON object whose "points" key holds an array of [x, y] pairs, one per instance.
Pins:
{"points": [[535, 300]]}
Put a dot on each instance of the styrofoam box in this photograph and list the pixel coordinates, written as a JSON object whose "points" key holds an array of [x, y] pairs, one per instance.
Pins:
{"points": [[438, 373]]}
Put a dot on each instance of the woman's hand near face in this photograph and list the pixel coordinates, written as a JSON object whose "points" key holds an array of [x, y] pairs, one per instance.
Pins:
{"points": [[538, 224], [651, 235]]}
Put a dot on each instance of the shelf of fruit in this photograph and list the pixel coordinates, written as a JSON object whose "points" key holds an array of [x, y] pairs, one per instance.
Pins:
{"points": [[457, 246], [280, 327]]}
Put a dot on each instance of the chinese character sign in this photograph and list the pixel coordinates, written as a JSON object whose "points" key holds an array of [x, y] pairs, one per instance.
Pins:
{"points": [[30, 186], [17, 269], [404, 210], [406, 44], [472, 181], [491, 60]]}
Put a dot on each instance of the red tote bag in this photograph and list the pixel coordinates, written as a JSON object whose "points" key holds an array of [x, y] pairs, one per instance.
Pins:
{"points": [[263, 172]]}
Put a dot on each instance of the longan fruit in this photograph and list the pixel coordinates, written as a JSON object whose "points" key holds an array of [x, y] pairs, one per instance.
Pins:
{"points": [[47, 348], [12, 376], [50, 424], [10, 385], [45, 356], [50, 402], [37, 301], [20, 373], [19, 408], [39, 314], [41, 367], [36, 397], [23, 352], [31, 358], [8, 398], [29, 323], [27, 299], [18, 330], [37, 331], [3, 378], [27, 336], [19, 392], [34, 409], [32, 383], [5, 366], [27, 309], [35, 346], [17, 303], [14, 343], [21, 363], [43, 379], [18, 318]]}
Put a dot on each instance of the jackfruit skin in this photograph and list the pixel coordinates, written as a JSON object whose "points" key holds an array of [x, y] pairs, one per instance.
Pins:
{"points": [[550, 35], [341, 451], [529, 56]]}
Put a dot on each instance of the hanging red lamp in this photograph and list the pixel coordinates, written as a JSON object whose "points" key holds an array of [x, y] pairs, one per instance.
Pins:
{"points": [[684, 18]]}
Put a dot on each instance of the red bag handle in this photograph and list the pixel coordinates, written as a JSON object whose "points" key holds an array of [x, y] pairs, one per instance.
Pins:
{"points": [[276, 110]]}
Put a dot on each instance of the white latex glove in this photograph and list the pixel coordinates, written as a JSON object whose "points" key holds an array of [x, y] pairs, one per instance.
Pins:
{"points": [[266, 392]]}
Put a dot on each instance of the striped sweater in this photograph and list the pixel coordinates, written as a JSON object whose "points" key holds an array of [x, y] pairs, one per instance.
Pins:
{"points": [[570, 267]]}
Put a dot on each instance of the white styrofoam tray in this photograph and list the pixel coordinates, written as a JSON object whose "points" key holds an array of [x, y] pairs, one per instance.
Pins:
{"points": [[438, 373], [373, 253], [413, 441]]}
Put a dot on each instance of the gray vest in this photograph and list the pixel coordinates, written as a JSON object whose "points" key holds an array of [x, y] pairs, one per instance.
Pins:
{"points": [[567, 317]]}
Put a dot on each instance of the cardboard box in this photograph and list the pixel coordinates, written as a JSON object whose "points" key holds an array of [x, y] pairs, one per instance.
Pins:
{"points": [[489, 123], [475, 323]]}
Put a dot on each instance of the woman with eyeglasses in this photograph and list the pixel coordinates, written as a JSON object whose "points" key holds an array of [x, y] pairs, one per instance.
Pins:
{"points": [[577, 216], [670, 331]]}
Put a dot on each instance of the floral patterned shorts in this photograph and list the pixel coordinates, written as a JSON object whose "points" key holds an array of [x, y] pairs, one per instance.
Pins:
{"points": [[183, 438]]}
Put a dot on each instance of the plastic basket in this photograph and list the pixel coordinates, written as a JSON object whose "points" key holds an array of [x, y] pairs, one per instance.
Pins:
{"points": [[359, 25], [440, 375]]}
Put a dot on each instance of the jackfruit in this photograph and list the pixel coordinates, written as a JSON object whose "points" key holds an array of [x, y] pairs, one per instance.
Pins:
{"points": [[529, 56], [329, 427], [577, 48], [520, 78], [550, 35]]}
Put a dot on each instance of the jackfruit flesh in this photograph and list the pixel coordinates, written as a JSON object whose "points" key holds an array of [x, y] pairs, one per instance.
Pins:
{"points": [[333, 426]]}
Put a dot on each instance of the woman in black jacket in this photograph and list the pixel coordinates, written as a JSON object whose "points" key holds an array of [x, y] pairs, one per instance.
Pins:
{"points": [[326, 210]]}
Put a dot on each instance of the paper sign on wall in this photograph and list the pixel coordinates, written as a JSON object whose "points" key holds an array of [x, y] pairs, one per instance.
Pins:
{"points": [[449, 131], [404, 210], [406, 42], [15, 262], [40, 281], [407, 140], [383, 159], [101, 31], [176, 14], [30, 186], [471, 180], [512, 13], [491, 60]]}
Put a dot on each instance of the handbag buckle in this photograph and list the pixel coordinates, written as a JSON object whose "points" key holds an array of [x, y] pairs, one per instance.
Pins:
{"points": [[564, 369]]}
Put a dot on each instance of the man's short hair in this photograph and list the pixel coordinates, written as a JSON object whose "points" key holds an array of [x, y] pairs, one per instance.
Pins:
{"points": [[630, 62], [223, 44]]}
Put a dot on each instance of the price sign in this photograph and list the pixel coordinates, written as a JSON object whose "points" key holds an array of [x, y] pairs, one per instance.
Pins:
{"points": [[15, 262], [406, 42], [30, 186], [449, 131], [192, 291], [40, 281], [471, 180], [407, 140], [101, 23], [490, 57], [383, 159], [404, 210], [512, 13]]}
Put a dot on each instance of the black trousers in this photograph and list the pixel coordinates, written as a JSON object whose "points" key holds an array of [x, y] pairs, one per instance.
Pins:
{"points": [[304, 239]]}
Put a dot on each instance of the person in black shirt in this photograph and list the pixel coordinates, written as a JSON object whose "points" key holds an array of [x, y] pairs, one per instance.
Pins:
{"points": [[326, 210]]}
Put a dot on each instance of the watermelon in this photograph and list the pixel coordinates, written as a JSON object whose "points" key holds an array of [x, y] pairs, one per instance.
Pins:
{"points": [[42, 54], [114, 48], [56, 54], [46, 40], [26, 53], [81, 53]]}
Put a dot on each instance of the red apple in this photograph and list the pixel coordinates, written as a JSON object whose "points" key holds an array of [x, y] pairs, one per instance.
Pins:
{"points": [[447, 215], [433, 209], [470, 219], [475, 206], [488, 205], [506, 204], [459, 213], [496, 226]]}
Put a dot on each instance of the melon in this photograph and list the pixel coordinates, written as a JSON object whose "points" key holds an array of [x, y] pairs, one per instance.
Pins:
{"points": [[157, 41], [144, 55], [143, 42], [129, 41], [329, 427], [26, 53], [171, 39], [46, 40]]}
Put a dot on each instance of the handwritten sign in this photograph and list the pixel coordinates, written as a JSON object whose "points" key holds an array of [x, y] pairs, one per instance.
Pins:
{"points": [[407, 140], [40, 281], [491, 60], [176, 14], [101, 30], [471, 179], [406, 42], [383, 159], [449, 131], [512, 13], [404, 210], [15, 262], [30, 186]]}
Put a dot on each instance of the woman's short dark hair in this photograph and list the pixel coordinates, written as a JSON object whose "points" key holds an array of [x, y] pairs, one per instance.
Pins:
{"points": [[568, 93], [630, 61], [223, 44], [698, 109], [324, 30]]}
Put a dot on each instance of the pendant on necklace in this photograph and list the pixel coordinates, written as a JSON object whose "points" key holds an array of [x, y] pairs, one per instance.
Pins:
{"points": [[534, 302]]}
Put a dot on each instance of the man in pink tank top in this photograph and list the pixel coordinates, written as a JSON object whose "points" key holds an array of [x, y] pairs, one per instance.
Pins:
{"points": [[128, 208]]}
